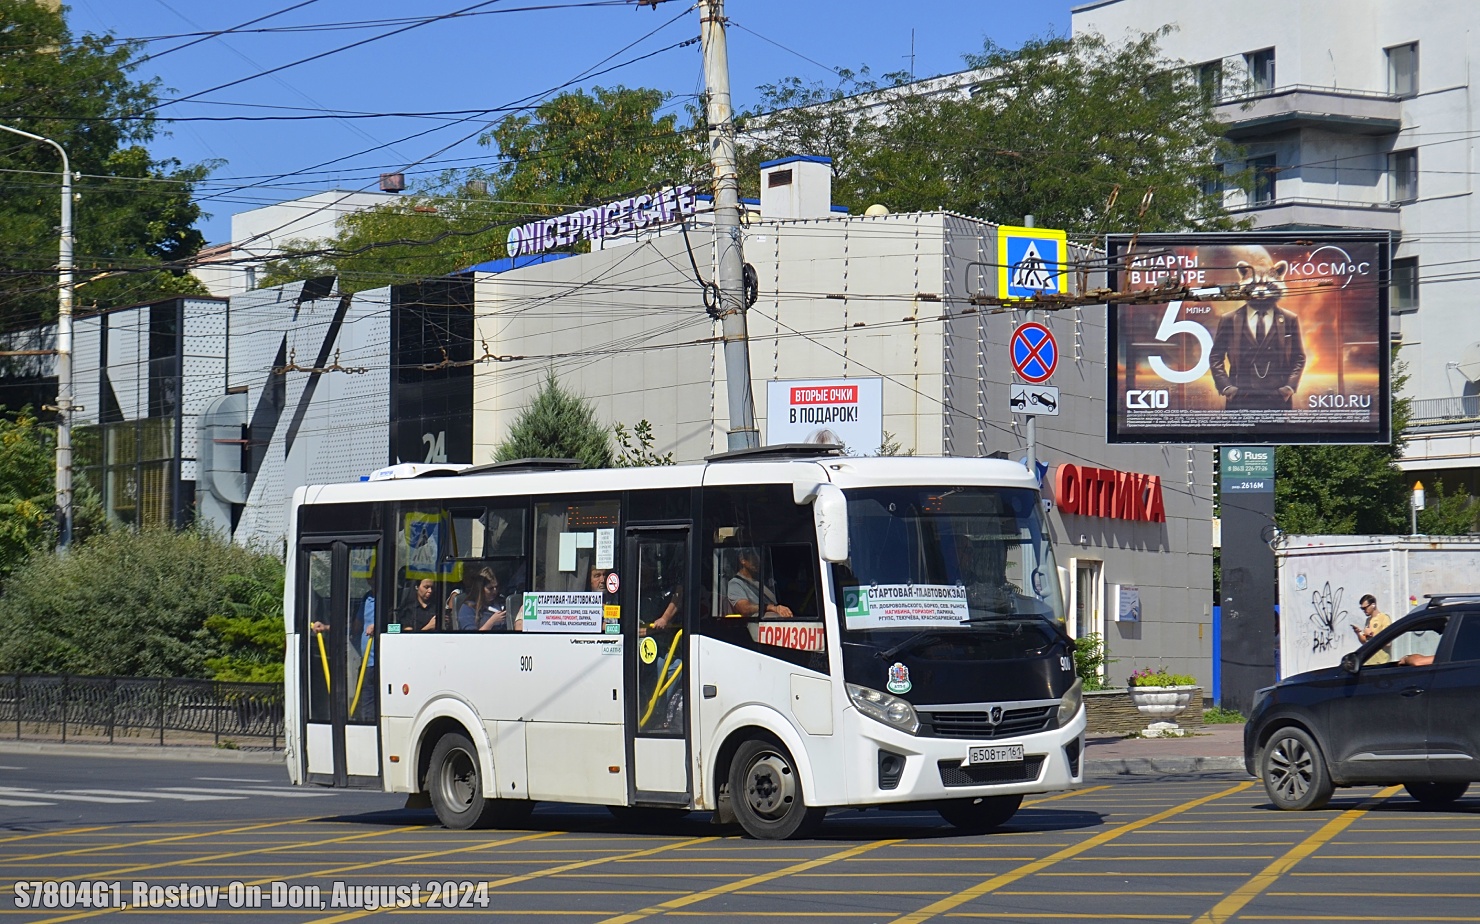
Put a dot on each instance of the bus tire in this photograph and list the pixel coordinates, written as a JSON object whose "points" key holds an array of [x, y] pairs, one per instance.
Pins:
{"points": [[766, 793], [455, 783], [980, 814]]}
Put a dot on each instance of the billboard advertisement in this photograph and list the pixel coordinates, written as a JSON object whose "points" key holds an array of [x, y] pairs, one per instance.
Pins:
{"points": [[1262, 338], [848, 412]]}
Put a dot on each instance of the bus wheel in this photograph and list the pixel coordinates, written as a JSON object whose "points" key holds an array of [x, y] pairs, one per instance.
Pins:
{"points": [[980, 814], [766, 794], [455, 783]]}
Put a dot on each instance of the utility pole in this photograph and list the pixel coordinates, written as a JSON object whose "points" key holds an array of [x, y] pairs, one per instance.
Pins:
{"points": [[1032, 418], [64, 347], [730, 262]]}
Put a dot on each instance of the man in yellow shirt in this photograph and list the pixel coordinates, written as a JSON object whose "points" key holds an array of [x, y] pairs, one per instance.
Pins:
{"points": [[1377, 620]]}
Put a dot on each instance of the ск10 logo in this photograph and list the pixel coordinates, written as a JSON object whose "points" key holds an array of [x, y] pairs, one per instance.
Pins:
{"points": [[1147, 399]]}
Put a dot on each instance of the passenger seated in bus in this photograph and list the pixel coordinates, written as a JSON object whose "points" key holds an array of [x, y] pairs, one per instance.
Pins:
{"points": [[418, 613], [477, 606], [596, 581], [747, 595]]}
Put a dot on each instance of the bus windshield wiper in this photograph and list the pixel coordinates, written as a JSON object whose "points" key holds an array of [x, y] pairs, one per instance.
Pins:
{"points": [[908, 643], [988, 617]]}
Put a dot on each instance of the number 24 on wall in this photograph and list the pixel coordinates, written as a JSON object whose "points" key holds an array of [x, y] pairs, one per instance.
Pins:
{"points": [[1170, 327], [436, 444]]}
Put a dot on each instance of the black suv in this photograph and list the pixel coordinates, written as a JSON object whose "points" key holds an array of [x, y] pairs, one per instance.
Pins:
{"points": [[1402, 708]]}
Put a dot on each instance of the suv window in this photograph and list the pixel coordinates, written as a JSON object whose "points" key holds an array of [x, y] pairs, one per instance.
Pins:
{"points": [[1420, 639], [1467, 640]]}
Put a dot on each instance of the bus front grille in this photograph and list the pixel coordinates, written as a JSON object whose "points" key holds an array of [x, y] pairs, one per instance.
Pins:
{"points": [[979, 725], [953, 774]]}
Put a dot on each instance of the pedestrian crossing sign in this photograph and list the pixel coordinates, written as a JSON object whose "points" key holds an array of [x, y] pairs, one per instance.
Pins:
{"points": [[1031, 262]]}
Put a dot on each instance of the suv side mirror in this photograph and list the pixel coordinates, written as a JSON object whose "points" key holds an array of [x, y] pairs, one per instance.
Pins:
{"points": [[1349, 662]]}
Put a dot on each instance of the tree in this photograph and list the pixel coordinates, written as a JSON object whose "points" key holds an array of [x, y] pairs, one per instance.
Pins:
{"points": [[133, 213], [575, 150], [1361, 490], [1057, 128], [635, 446], [557, 425], [27, 490]]}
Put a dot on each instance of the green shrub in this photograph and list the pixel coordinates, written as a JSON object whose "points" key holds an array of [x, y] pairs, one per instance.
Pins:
{"points": [[126, 603], [1220, 716], [1159, 677], [1089, 659]]}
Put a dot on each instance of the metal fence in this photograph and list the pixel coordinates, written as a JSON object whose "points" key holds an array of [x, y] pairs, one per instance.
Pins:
{"points": [[133, 710], [1443, 410]]}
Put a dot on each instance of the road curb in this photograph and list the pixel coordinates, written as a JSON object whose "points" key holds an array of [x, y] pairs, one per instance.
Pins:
{"points": [[142, 752], [1161, 766]]}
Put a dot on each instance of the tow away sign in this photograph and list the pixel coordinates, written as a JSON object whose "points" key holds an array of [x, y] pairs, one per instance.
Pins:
{"points": [[1034, 400]]}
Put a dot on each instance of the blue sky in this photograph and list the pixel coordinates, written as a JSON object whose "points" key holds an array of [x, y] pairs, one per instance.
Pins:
{"points": [[513, 51]]}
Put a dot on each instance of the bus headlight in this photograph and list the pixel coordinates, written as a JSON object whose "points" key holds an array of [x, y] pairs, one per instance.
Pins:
{"points": [[891, 710], [1069, 706]]}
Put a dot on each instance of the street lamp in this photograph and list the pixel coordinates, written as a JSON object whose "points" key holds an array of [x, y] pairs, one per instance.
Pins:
{"points": [[64, 346]]}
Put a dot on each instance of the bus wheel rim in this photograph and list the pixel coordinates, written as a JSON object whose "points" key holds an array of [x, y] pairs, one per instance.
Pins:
{"points": [[770, 786], [459, 782]]}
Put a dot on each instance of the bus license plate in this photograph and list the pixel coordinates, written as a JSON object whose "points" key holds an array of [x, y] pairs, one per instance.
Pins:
{"points": [[998, 754]]}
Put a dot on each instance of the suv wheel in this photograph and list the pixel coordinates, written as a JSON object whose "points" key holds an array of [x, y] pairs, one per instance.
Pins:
{"points": [[1436, 793], [1294, 772]]}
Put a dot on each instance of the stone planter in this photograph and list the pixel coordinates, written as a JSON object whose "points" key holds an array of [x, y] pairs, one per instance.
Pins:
{"points": [[1163, 705]]}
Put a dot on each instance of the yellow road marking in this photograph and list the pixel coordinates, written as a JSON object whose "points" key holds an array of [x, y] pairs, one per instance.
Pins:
{"points": [[997, 882], [149, 843], [525, 877], [62, 833], [673, 905], [1235, 901]]}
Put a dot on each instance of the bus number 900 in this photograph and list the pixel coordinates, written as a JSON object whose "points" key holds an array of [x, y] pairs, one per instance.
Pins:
{"points": [[526, 662]]}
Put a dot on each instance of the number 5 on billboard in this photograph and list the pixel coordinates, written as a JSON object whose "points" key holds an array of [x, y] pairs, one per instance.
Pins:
{"points": [[1169, 328]]}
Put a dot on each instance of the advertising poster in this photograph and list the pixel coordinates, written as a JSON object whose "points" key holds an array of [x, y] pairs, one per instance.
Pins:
{"points": [[846, 412], [563, 612], [1267, 339], [909, 606]]}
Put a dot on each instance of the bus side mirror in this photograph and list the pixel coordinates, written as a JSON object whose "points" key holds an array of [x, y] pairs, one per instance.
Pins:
{"points": [[830, 515], [1349, 662]]}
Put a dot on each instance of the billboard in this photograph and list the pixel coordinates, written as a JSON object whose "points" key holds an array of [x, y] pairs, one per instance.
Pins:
{"points": [[1281, 338], [849, 412]]}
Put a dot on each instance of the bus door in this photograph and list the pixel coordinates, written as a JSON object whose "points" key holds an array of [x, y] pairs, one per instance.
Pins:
{"points": [[658, 590], [337, 618]]}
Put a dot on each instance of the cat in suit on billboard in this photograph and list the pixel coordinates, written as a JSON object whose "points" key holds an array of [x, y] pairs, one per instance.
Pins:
{"points": [[1258, 353]]}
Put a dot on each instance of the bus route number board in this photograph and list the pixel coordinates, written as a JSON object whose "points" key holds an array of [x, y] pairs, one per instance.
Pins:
{"points": [[998, 754]]}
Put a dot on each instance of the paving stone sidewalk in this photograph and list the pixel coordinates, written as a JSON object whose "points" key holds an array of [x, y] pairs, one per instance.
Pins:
{"points": [[1208, 748]]}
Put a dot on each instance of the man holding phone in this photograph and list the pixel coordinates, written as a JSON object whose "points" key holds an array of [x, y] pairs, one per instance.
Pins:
{"points": [[1377, 620]]}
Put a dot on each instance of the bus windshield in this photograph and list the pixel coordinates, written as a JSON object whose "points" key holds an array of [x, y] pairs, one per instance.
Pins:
{"points": [[948, 560]]}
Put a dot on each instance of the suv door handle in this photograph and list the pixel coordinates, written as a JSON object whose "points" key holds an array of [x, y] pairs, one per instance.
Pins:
{"points": [[1413, 691]]}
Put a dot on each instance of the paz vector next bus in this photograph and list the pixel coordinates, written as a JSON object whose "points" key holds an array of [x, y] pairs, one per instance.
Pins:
{"points": [[765, 636]]}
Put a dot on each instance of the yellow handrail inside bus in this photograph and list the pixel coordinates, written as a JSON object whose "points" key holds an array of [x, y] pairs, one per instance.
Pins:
{"points": [[323, 657], [360, 684], [663, 684]]}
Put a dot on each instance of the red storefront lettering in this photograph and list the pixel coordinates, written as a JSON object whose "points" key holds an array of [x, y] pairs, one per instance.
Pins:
{"points": [[1106, 492]]}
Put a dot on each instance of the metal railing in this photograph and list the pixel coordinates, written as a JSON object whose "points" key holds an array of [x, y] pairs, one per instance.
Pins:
{"points": [[1424, 411], [1244, 92], [133, 710]]}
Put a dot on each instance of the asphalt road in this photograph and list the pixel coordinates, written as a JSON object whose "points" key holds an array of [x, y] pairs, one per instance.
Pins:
{"points": [[1204, 848]]}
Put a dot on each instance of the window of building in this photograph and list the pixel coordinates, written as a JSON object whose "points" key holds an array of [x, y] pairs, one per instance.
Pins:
{"points": [[1262, 169], [1260, 65], [1402, 62], [1403, 295], [1210, 79], [1403, 175]]}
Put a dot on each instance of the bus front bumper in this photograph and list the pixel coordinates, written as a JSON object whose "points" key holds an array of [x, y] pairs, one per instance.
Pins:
{"points": [[891, 766]]}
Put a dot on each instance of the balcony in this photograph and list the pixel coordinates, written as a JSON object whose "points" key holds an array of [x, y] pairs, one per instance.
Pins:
{"points": [[1300, 214], [1443, 433], [1267, 112]]}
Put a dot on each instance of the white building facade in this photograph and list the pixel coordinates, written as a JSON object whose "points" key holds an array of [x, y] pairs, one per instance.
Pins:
{"points": [[1357, 114]]}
